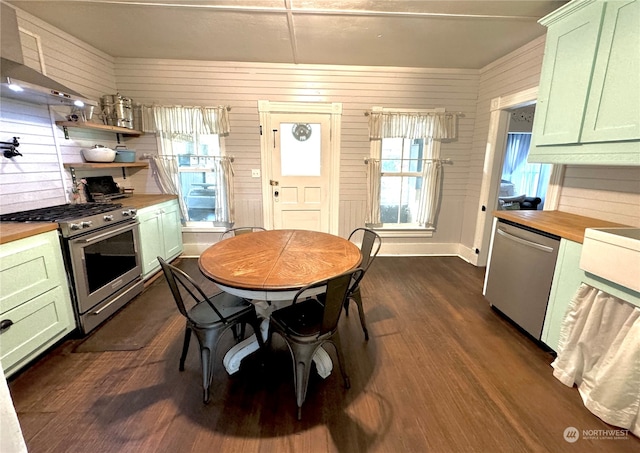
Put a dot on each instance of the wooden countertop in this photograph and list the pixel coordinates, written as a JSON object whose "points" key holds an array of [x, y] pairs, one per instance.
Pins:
{"points": [[144, 201], [12, 231], [563, 224]]}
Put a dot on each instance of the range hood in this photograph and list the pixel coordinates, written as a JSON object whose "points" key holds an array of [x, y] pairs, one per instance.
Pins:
{"points": [[18, 81]]}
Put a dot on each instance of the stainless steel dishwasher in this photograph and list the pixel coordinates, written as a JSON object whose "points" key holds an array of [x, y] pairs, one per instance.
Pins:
{"points": [[520, 272]]}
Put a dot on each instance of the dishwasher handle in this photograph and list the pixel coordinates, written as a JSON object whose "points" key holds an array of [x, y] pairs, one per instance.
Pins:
{"points": [[534, 245]]}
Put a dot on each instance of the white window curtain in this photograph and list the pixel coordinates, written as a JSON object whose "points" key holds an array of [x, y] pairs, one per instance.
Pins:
{"points": [[436, 125], [165, 170], [431, 183], [174, 123], [415, 125], [373, 202], [224, 181]]}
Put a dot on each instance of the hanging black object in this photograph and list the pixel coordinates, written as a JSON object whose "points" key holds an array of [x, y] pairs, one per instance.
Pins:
{"points": [[10, 148]]}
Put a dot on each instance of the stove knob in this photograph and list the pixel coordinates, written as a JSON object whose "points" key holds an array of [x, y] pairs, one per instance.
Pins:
{"points": [[86, 224], [74, 226], [108, 218], [129, 213]]}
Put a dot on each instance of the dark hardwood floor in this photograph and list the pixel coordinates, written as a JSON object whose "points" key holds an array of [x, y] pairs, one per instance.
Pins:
{"points": [[442, 372]]}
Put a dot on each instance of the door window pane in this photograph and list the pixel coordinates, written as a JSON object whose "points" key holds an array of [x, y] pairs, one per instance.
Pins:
{"points": [[300, 149]]}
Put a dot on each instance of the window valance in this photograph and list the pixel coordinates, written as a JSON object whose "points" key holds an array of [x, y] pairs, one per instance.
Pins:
{"points": [[184, 121], [393, 124]]}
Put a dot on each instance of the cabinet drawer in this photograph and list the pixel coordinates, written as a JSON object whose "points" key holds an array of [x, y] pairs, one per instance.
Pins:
{"points": [[29, 267], [37, 324]]}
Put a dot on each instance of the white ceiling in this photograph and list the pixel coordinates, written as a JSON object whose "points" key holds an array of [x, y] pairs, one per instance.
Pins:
{"points": [[411, 33]]}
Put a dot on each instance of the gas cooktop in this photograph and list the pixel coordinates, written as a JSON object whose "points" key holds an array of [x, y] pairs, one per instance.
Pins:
{"points": [[60, 213]]}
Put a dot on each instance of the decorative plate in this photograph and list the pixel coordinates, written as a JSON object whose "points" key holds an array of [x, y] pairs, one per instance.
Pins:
{"points": [[301, 132]]}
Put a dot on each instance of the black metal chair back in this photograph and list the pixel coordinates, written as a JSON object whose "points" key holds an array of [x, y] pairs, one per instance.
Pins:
{"points": [[176, 279], [311, 321], [240, 230], [208, 317], [369, 248]]}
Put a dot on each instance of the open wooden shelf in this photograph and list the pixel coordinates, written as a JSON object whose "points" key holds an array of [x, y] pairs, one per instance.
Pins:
{"points": [[100, 127], [105, 165], [72, 166]]}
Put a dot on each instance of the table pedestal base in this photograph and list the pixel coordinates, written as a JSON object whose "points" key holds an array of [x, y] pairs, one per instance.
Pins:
{"points": [[234, 356]]}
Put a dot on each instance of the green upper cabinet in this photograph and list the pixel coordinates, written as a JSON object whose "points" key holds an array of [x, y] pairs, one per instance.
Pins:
{"points": [[564, 84], [589, 97], [613, 107]]}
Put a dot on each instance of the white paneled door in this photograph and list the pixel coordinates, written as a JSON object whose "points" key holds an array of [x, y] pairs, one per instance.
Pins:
{"points": [[299, 180]]}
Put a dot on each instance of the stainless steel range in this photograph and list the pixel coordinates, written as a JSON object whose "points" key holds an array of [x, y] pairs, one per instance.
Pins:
{"points": [[101, 247]]}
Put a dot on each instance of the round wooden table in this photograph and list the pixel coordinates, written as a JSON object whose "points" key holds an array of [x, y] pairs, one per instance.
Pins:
{"points": [[268, 268], [273, 265]]}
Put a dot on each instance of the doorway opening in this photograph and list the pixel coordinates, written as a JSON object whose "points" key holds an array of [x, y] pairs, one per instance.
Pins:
{"points": [[523, 185], [501, 110], [300, 156]]}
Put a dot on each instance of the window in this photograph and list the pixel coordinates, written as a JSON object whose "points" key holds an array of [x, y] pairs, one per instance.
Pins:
{"points": [[401, 180], [197, 175], [191, 163], [405, 168]]}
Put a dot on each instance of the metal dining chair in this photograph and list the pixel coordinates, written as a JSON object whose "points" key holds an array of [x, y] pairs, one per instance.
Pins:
{"points": [[370, 246], [208, 317], [310, 322], [240, 230]]}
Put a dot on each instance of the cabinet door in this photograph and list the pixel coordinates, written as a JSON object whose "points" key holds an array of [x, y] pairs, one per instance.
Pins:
{"points": [[37, 325], [566, 74], [29, 267], [151, 240], [566, 280], [172, 230], [613, 107]]}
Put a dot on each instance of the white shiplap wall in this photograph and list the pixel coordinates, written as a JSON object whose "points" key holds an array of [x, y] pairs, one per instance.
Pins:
{"points": [[515, 72], [37, 178], [607, 193], [241, 85]]}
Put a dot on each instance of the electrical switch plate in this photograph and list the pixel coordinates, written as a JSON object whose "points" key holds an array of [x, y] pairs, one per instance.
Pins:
{"points": [[255, 173]]}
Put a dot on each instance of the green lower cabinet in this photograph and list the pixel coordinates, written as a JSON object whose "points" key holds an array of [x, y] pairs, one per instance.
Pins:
{"points": [[35, 304], [566, 280], [160, 235]]}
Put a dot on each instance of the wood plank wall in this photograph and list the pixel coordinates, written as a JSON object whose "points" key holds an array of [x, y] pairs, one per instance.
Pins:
{"points": [[513, 73], [241, 85], [37, 179], [608, 193]]}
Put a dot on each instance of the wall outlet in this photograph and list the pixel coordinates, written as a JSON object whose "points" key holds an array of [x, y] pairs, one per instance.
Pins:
{"points": [[255, 173]]}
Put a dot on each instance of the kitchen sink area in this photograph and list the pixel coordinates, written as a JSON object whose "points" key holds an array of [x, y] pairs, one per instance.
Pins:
{"points": [[611, 257]]}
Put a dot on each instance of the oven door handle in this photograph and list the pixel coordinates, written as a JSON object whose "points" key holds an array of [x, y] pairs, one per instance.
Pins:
{"points": [[108, 233]]}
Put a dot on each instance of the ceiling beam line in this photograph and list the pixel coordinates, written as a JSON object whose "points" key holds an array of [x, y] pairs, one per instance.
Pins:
{"points": [[311, 11], [292, 32]]}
